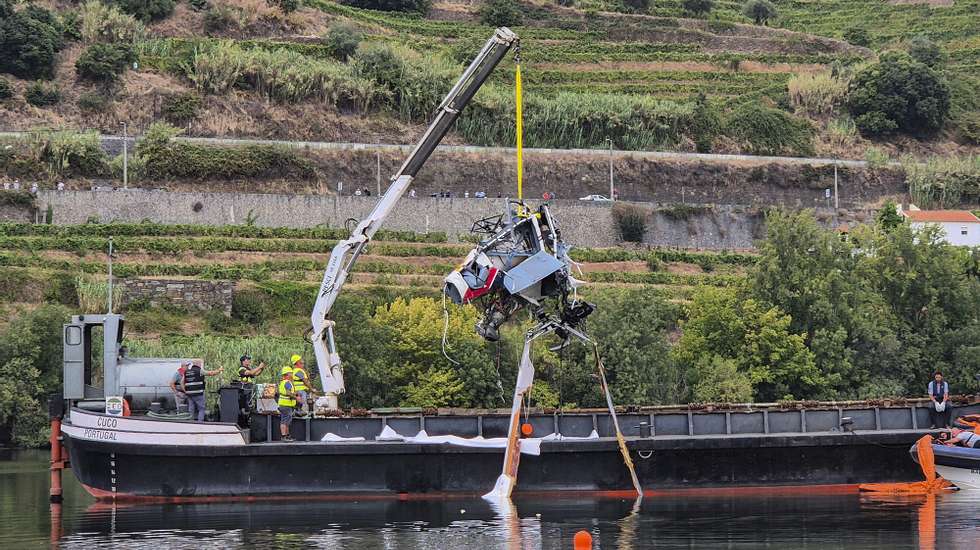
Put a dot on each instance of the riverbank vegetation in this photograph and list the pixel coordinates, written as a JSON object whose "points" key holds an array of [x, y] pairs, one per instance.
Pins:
{"points": [[811, 316]]}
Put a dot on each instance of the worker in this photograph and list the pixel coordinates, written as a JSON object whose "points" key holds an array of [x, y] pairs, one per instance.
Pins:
{"points": [[193, 386], [246, 374], [287, 403], [180, 398], [964, 438], [301, 382]]}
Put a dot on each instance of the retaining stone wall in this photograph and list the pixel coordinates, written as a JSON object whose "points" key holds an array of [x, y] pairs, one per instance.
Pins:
{"points": [[583, 224], [190, 294]]}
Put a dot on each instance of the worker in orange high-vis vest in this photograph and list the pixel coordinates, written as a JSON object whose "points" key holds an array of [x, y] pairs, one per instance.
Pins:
{"points": [[301, 384]]}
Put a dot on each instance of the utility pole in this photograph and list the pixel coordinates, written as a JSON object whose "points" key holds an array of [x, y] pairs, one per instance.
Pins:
{"points": [[378, 158], [612, 191], [110, 275], [125, 169], [836, 197]]}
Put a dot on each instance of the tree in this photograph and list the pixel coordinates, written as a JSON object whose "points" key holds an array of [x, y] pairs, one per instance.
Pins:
{"points": [[720, 381], [30, 369], [808, 272], [858, 36], [926, 51], [760, 11], [755, 338], [898, 93], [104, 62], [343, 40], [888, 217], [417, 357], [501, 13], [698, 7], [29, 41]]}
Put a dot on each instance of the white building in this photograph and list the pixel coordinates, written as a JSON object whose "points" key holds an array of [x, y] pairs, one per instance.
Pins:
{"points": [[960, 227]]}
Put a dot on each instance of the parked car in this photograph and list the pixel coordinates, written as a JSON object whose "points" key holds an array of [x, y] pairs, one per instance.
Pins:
{"points": [[596, 198]]}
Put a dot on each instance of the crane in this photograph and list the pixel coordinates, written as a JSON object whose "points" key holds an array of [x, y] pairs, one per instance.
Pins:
{"points": [[346, 252]]}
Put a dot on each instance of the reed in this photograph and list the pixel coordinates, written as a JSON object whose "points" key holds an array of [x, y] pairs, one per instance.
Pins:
{"points": [[93, 294], [816, 94]]}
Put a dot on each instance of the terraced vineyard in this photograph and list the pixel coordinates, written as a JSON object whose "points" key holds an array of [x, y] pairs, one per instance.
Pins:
{"points": [[41, 263]]}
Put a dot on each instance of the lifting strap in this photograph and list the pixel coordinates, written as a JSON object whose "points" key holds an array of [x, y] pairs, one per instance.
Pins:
{"points": [[519, 115]]}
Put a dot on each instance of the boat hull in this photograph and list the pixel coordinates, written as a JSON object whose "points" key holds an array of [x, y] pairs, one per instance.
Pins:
{"points": [[959, 465], [120, 471]]}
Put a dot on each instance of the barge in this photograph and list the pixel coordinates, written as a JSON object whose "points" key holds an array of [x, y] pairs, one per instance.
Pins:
{"points": [[396, 454]]}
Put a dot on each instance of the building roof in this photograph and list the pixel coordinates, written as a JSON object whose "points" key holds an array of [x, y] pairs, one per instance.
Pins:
{"points": [[940, 216]]}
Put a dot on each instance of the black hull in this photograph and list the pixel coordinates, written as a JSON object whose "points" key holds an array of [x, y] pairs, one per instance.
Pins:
{"points": [[275, 470]]}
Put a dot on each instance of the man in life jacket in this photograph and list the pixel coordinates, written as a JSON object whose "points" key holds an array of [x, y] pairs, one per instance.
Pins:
{"points": [[246, 379], [193, 386], [301, 385], [247, 374], [287, 403]]}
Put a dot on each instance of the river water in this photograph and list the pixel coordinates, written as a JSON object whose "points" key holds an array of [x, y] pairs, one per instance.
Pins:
{"points": [[759, 520]]}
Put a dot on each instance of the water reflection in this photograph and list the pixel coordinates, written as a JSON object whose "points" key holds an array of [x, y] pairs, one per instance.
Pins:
{"points": [[845, 520]]}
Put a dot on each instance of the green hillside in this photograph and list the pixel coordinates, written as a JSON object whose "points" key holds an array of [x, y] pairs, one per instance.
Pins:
{"points": [[654, 78]]}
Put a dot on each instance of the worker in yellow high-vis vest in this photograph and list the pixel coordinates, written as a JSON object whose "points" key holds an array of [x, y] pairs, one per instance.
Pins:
{"points": [[301, 385], [287, 403]]}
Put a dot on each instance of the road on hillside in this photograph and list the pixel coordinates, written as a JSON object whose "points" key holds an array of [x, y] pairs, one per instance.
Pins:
{"points": [[114, 145]]}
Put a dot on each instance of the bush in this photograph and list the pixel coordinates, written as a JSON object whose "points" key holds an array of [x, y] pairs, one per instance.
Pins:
{"points": [[70, 24], [342, 40], [102, 23], [632, 222], [502, 13], [816, 94], [93, 102], [636, 6], [105, 62], [249, 307], [858, 36], [40, 94], [760, 11], [164, 157], [281, 75], [926, 51], [419, 6], [145, 10], [698, 7], [29, 41], [220, 18], [6, 89], [66, 153], [898, 93], [943, 182], [763, 131], [179, 109], [287, 6]]}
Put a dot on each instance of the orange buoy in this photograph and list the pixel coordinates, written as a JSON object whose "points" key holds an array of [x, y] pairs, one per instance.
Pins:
{"points": [[527, 429], [582, 540]]}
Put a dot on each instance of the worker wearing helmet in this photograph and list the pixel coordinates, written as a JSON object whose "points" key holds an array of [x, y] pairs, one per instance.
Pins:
{"points": [[287, 403], [301, 383]]}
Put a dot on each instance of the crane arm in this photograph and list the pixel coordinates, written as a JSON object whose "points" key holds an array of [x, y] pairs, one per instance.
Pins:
{"points": [[346, 252]]}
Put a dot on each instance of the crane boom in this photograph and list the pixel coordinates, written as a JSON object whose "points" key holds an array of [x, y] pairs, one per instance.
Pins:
{"points": [[346, 252]]}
